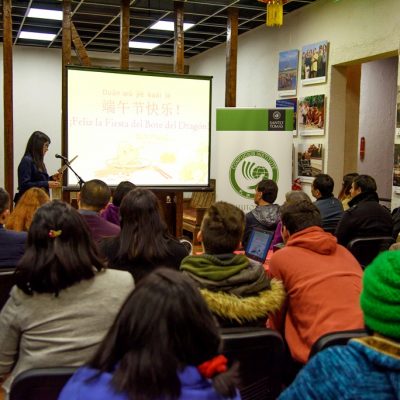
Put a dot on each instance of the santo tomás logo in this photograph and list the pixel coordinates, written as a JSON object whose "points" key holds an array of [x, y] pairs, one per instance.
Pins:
{"points": [[249, 168]]}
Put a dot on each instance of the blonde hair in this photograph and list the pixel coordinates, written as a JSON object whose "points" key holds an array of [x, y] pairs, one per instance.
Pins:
{"points": [[21, 218]]}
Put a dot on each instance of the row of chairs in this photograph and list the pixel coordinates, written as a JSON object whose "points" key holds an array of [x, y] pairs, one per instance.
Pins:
{"points": [[260, 353]]}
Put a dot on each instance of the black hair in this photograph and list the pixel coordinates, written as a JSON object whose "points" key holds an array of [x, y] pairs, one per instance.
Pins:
{"points": [[298, 216], [59, 252], [164, 326], [34, 148], [346, 185], [325, 184], [365, 182], [222, 228], [121, 190], [144, 233], [95, 193], [4, 200], [269, 190]]}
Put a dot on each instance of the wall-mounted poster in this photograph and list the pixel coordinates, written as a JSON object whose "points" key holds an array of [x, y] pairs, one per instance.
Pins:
{"points": [[310, 161], [314, 63], [311, 115], [287, 77], [289, 103]]}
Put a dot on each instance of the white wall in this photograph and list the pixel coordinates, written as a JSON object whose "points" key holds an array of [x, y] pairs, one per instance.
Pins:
{"points": [[378, 88], [356, 30]]}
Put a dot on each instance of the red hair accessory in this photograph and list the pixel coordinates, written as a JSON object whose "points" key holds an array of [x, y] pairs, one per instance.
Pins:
{"points": [[213, 367]]}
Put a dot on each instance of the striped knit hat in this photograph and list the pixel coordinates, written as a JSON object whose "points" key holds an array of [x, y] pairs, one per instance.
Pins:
{"points": [[380, 298]]}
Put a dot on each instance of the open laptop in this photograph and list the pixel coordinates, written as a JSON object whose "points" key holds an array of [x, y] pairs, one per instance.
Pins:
{"points": [[259, 244]]}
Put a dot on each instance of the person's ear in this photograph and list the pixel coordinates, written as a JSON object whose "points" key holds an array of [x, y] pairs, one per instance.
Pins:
{"points": [[4, 215], [285, 234]]}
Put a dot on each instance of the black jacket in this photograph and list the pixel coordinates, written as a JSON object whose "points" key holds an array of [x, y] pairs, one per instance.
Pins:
{"points": [[365, 217]]}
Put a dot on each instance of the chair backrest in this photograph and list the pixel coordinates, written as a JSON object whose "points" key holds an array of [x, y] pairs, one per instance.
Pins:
{"points": [[203, 199], [7, 281], [261, 354], [365, 249], [40, 383], [335, 339]]}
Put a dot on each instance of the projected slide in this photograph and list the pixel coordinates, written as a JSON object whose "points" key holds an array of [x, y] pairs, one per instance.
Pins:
{"points": [[153, 130]]}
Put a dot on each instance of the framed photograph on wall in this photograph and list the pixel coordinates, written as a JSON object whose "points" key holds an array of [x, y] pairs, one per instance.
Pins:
{"points": [[287, 76], [311, 115], [310, 161], [289, 103], [314, 63]]}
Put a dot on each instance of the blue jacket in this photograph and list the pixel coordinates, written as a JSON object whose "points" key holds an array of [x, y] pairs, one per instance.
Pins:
{"points": [[29, 176], [367, 368], [194, 387], [331, 210], [12, 247]]}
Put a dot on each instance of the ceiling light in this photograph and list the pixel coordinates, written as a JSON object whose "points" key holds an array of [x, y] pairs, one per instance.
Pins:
{"points": [[142, 45], [45, 14], [169, 26], [37, 36]]}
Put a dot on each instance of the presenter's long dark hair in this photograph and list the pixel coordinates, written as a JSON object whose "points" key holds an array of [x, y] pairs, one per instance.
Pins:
{"points": [[164, 326], [34, 148]]}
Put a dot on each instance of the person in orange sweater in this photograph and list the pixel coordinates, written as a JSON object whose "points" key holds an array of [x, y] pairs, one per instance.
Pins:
{"points": [[322, 280]]}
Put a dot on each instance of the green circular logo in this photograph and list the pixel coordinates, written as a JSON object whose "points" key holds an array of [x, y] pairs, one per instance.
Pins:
{"points": [[249, 168]]}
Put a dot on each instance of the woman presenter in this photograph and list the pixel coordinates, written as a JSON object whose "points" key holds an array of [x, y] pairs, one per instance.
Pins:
{"points": [[32, 171]]}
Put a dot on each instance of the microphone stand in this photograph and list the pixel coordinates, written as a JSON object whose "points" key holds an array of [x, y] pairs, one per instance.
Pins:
{"points": [[80, 180]]}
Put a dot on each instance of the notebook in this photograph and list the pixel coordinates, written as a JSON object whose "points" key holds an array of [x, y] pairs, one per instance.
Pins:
{"points": [[259, 245]]}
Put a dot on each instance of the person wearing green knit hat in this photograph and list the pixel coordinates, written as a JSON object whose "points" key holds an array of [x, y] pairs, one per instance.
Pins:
{"points": [[235, 288], [368, 367]]}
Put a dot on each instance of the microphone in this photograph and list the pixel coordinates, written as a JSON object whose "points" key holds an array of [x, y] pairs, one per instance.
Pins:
{"points": [[62, 157]]}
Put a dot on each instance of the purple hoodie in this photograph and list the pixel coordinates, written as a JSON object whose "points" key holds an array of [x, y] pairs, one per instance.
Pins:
{"points": [[111, 214]]}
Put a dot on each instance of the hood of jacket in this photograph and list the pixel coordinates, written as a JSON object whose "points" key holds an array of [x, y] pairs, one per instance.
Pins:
{"points": [[315, 239], [383, 355], [246, 309], [267, 215]]}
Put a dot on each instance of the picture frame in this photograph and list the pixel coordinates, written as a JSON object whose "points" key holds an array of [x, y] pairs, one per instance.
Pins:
{"points": [[311, 115], [287, 75], [314, 63]]}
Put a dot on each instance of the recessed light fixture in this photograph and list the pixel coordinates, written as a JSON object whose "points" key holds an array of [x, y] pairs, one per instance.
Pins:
{"points": [[45, 14], [48, 37], [169, 26], [142, 45]]}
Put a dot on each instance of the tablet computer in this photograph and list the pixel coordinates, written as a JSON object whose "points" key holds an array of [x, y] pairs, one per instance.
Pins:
{"points": [[259, 245]]}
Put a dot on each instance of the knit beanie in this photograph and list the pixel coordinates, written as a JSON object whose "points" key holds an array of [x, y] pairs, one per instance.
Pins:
{"points": [[380, 297]]}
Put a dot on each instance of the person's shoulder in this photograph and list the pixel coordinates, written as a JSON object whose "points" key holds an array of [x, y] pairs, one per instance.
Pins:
{"points": [[115, 276]]}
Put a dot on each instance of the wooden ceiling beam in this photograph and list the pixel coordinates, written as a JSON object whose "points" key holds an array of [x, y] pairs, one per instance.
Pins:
{"points": [[79, 47]]}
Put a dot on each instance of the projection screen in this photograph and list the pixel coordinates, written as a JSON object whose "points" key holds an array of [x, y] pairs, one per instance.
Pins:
{"points": [[151, 129]]}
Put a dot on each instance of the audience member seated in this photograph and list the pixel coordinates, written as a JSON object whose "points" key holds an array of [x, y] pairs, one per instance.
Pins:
{"points": [[368, 367], [64, 301], [330, 207], [235, 288], [294, 196], [21, 217], [365, 217], [12, 244], [322, 281], [344, 194], [266, 214], [111, 212], [144, 242], [164, 344], [94, 197]]}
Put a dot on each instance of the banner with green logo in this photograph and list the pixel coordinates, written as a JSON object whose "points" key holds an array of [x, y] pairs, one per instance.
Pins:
{"points": [[252, 144]]}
